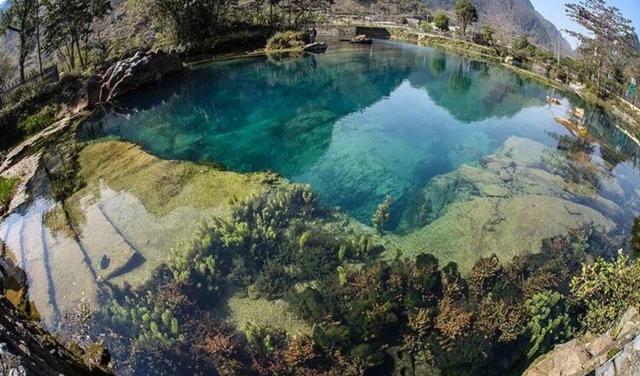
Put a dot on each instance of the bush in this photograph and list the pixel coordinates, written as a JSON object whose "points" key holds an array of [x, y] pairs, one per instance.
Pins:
{"points": [[603, 290], [37, 122], [7, 188], [286, 40], [441, 21]]}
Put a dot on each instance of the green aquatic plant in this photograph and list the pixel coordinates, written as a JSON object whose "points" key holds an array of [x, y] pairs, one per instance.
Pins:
{"points": [[381, 215], [146, 318], [604, 289], [549, 322]]}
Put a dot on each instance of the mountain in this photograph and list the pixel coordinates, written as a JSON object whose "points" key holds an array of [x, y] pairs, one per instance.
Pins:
{"points": [[511, 18]]}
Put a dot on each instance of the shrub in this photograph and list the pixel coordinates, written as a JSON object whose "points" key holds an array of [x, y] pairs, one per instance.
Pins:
{"points": [[7, 188], [286, 40], [37, 122], [441, 21], [604, 289]]}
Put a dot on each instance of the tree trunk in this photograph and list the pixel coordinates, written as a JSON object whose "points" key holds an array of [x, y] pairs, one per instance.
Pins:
{"points": [[38, 37]]}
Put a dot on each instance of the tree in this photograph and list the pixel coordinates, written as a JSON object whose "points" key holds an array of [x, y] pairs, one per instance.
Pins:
{"points": [[441, 21], [466, 14], [487, 34], [610, 44], [69, 27], [21, 17]]}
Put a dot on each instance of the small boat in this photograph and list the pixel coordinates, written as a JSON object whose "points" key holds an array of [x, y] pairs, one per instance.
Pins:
{"points": [[361, 39], [316, 47]]}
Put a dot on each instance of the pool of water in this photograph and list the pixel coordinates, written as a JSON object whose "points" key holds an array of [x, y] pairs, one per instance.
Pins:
{"points": [[361, 122]]}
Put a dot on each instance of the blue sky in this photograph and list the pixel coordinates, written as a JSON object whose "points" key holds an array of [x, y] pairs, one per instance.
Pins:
{"points": [[554, 11]]}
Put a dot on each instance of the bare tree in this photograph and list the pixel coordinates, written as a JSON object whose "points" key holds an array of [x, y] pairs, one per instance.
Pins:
{"points": [[612, 43]]}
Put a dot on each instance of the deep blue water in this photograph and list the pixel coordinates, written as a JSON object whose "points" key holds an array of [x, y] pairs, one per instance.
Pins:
{"points": [[357, 123]]}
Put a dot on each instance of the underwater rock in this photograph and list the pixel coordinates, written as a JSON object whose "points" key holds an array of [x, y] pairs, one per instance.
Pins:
{"points": [[507, 204], [614, 353], [507, 227], [139, 70], [517, 168]]}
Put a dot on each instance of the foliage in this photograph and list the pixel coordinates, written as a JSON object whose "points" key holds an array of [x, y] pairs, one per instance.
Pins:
{"points": [[282, 245], [7, 188], [466, 14], [487, 33], [382, 213], [37, 122], [441, 21], [604, 289], [30, 99], [549, 322], [286, 40]]}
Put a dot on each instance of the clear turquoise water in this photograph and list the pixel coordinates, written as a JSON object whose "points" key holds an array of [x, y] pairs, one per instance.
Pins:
{"points": [[357, 123]]}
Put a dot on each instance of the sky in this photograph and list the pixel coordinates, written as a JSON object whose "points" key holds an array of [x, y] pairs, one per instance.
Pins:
{"points": [[554, 11]]}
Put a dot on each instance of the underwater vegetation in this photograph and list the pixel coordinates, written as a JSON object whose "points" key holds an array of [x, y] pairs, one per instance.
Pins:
{"points": [[410, 316]]}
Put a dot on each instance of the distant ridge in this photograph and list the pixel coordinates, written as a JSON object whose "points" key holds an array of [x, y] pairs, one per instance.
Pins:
{"points": [[511, 18]]}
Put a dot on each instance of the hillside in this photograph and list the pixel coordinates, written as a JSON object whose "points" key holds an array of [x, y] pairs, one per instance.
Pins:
{"points": [[511, 18]]}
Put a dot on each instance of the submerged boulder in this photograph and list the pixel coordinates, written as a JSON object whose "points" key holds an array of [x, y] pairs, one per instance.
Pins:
{"points": [[508, 203], [139, 70]]}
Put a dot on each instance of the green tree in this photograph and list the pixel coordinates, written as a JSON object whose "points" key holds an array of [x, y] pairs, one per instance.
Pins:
{"points": [[609, 45], [441, 21], [466, 14], [549, 322], [487, 33], [21, 17]]}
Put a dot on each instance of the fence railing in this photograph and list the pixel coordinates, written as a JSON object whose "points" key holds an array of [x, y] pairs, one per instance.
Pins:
{"points": [[48, 74]]}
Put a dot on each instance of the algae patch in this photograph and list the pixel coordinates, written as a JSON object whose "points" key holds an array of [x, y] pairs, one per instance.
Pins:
{"points": [[162, 186], [275, 313]]}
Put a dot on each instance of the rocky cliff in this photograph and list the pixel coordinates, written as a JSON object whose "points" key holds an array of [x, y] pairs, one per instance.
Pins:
{"points": [[511, 18]]}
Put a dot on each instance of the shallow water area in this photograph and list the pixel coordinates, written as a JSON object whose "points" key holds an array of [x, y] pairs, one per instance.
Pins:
{"points": [[357, 123]]}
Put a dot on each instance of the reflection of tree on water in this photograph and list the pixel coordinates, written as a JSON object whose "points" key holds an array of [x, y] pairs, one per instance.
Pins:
{"points": [[578, 166], [471, 90], [459, 82]]}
